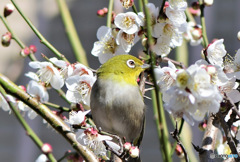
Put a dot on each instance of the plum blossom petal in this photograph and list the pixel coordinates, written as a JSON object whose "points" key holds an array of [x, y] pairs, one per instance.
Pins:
{"points": [[48, 73]]}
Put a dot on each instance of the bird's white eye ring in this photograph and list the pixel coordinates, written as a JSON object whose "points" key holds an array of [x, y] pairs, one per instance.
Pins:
{"points": [[131, 63]]}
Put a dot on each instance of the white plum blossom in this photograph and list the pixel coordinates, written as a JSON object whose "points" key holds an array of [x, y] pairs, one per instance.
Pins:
{"points": [[48, 73], [4, 103], [80, 69], [66, 69], [165, 76], [36, 89], [79, 88], [168, 37], [126, 40], [94, 141], [127, 3], [106, 47], [193, 33], [195, 91], [42, 158], [177, 17], [25, 108], [77, 117], [162, 46], [215, 52], [226, 83], [129, 22], [178, 4], [153, 11], [180, 103], [235, 65]]}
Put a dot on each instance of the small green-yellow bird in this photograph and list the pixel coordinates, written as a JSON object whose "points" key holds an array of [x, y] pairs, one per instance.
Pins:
{"points": [[117, 104]]}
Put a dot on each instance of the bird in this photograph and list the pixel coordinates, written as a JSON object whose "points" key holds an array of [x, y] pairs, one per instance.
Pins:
{"points": [[116, 101]]}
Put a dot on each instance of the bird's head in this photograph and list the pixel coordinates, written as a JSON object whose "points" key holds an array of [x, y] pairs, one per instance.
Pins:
{"points": [[122, 68]]}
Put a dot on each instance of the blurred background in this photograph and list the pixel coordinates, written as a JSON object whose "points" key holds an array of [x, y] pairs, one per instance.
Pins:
{"points": [[222, 20]]}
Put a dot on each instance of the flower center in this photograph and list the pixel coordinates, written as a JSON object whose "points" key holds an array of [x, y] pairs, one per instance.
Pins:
{"points": [[128, 38], [110, 46], [128, 21], [182, 79], [167, 29], [83, 88], [46, 74]]}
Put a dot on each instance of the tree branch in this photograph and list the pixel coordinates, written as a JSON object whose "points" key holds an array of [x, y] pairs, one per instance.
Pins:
{"points": [[47, 114]]}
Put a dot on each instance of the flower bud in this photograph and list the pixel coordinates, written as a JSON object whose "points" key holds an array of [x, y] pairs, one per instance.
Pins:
{"points": [[127, 146], [197, 33], [134, 152], [144, 42], [8, 9], [33, 48], [46, 148], [25, 52], [195, 12], [179, 151], [238, 35], [202, 126], [23, 88], [208, 2], [195, 9], [101, 13], [6, 39], [105, 10], [127, 3]]}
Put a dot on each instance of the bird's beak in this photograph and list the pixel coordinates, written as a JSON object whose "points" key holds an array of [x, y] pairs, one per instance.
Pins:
{"points": [[145, 66]]}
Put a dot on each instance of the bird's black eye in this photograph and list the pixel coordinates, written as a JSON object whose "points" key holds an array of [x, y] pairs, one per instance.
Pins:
{"points": [[131, 63]]}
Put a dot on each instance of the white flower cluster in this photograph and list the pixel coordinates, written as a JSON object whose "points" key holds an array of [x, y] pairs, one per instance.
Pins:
{"points": [[77, 77], [191, 93], [167, 31]]}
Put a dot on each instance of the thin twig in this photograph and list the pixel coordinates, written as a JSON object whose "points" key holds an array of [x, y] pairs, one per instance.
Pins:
{"points": [[38, 34], [175, 135]]}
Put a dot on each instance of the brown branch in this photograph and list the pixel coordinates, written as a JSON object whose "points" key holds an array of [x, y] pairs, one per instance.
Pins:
{"points": [[209, 140], [228, 134]]}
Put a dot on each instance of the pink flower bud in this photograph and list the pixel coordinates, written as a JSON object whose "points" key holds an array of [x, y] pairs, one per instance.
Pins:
{"points": [[100, 13], [127, 146], [195, 12], [25, 52], [8, 9], [33, 48], [6, 39], [91, 131], [202, 126], [46, 148], [179, 151], [23, 88], [134, 152], [105, 10]]}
